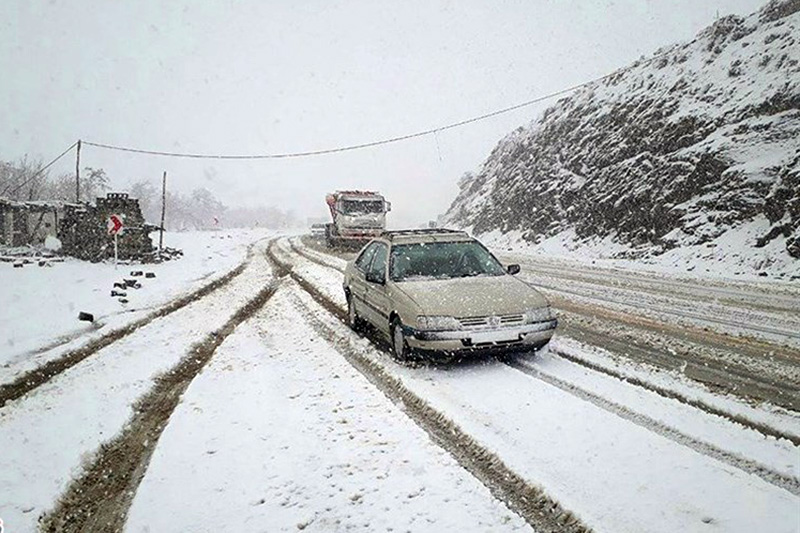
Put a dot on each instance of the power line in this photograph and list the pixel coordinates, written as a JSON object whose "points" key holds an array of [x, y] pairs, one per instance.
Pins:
{"points": [[351, 147], [41, 170], [345, 148], [390, 139]]}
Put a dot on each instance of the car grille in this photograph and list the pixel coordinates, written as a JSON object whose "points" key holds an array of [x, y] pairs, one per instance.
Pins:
{"points": [[483, 321]]}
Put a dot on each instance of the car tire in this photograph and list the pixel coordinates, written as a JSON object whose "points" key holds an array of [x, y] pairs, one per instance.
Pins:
{"points": [[400, 348], [355, 322]]}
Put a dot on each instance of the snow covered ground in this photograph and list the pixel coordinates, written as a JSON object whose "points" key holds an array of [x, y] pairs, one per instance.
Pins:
{"points": [[618, 474], [40, 305], [713, 305], [49, 435], [774, 317], [729, 258], [767, 311], [284, 431], [280, 433]]}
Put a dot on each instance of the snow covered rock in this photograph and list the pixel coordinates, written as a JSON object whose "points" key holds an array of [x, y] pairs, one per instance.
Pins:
{"points": [[52, 243], [700, 140]]}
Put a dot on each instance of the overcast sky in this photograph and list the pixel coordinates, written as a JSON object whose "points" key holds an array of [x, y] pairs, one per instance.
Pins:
{"points": [[251, 76]]}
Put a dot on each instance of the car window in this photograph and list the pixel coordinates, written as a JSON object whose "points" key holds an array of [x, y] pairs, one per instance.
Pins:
{"points": [[378, 266], [366, 256], [440, 260]]}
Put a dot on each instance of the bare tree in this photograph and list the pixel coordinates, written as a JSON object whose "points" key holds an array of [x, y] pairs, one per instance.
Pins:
{"points": [[260, 216], [60, 188], [149, 199], [22, 180], [205, 209], [94, 182]]}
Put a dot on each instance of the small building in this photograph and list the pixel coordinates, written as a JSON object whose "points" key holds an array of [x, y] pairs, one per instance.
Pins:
{"points": [[28, 223]]}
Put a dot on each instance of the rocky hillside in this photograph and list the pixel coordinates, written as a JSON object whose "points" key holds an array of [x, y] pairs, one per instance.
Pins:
{"points": [[677, 150]]}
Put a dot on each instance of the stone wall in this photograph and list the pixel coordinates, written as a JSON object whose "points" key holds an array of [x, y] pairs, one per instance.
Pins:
{"points": [[84, 232], [28, 223]]}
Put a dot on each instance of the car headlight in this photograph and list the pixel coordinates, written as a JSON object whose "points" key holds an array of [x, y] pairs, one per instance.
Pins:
{"points": [[437, 322], [538, 314]]}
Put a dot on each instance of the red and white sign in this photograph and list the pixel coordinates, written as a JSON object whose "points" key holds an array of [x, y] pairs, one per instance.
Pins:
{"points": [[115, 224]]}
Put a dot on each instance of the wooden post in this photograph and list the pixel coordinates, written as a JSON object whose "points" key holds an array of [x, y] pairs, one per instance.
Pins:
{"points": [[78, 173], [163, 207]]}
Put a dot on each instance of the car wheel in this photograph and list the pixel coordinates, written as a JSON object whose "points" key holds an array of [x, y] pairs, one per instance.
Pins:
{"points": [[399, 345], [353, 320]]}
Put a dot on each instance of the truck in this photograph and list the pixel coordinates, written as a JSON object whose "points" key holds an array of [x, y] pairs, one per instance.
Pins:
{"points": [[357, 217]]}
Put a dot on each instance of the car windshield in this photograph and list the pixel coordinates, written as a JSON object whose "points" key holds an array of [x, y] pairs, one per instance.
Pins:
{"points": [[361, 207], [442, 260]]}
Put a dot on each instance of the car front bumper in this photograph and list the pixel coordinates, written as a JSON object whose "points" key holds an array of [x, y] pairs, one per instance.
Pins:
{"points": [[528, 336]]}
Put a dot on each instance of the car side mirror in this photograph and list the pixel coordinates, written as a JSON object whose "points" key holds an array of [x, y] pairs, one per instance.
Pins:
{"points": [[375, 277], [388, 206], [513, 269]]}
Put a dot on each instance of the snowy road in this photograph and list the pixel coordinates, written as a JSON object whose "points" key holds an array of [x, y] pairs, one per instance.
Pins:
{"points": [[255, 408], [281, 433], [673, 324], [596, 343], [741, 339], [771, 311], [602, 456]]}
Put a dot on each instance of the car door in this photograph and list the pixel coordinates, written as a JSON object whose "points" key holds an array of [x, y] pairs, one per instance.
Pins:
{"points": [[376, 298], [358, 283]]}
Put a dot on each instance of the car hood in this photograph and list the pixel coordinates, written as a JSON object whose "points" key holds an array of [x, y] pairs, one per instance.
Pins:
{"points": [[472, 296]]}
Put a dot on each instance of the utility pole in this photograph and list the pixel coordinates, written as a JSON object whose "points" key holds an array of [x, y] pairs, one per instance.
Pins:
{"points": [[78, 173], [163, 208]]}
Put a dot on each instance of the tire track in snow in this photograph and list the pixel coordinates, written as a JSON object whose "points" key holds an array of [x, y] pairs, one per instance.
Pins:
{"points": [[311, 257], [791, 484], [751, 347], [742, 297], [734, 378], [528, 500], [751, 327], [100, 498], [30, 380], [744, 375], [764, 429]]}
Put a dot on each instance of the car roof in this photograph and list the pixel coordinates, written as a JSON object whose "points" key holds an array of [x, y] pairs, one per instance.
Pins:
{"points": [[425, 235]]}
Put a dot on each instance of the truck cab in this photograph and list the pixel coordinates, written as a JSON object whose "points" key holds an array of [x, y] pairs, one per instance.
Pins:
{"points": [[357, 217]]}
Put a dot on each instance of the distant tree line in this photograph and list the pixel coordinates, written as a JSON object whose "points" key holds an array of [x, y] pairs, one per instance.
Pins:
{"points": [[199, 209], [22, 180]]}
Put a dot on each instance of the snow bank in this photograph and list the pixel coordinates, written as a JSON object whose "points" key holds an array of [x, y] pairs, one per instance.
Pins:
{"points": [[41, 305]]}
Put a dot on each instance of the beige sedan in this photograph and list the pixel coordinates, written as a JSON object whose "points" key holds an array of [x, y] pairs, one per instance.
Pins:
{"points": [[443, 292]]}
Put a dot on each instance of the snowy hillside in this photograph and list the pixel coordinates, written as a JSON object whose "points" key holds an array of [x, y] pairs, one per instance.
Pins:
{"points": [[690, 156]]}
